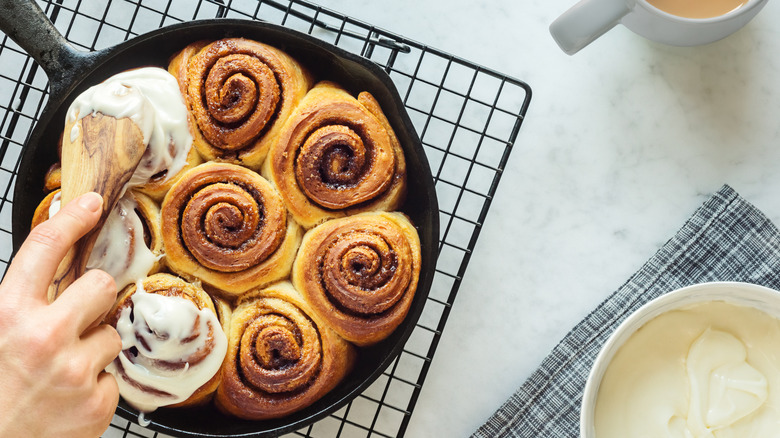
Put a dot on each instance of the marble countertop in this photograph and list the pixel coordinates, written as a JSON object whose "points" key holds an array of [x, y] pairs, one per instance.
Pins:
{"points": [[622, 142]]}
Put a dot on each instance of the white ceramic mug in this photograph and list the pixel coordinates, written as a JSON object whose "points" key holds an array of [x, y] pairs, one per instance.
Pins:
{"points": [[589, 19]]}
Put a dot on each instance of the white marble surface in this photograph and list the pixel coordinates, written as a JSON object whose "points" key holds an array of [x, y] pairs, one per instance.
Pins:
{"points": [[622, 142]]}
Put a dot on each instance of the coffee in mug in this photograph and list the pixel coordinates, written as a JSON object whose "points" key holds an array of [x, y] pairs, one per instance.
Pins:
{"points": [[675, 22], [697, 8]]}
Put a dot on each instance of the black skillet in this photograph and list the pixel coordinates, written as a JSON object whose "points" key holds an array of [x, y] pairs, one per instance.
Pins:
{"points": [[70, 72]]}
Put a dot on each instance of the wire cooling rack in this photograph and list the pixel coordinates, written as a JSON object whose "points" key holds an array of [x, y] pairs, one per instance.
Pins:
{"points": [[467, 116]]}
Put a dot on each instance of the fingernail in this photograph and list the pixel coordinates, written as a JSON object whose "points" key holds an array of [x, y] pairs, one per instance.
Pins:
{"points": [[90, 201]]}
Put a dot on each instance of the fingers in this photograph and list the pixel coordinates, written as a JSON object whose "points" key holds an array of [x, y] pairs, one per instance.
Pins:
{"points": [[36, 262], [87, 300], [102, 344], [109, 398], [108, 386]]}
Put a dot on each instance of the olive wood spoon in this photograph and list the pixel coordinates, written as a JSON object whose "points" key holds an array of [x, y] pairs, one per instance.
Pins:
{"points": [[101, 158]]}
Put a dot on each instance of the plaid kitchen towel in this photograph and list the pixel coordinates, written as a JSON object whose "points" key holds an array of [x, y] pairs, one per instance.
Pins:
{"points": [[726, 239]]}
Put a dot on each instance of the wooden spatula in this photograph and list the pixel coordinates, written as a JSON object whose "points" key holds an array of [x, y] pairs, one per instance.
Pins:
{"points": [[99, 154]]}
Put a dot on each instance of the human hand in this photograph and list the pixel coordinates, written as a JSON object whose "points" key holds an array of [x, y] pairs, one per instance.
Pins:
{"points": [[52, 356]]}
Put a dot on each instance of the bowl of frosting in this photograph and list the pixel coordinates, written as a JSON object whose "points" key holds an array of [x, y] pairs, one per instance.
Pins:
{"points": [[701, 361]]}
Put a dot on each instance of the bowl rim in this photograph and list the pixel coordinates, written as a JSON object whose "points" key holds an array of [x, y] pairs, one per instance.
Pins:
{"points": [[751, 294]]}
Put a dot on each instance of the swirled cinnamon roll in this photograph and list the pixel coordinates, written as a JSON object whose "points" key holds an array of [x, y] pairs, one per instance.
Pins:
{"points": [[239, 92], [281, 358], [173, 343], [226, 225], [360, 273], [129, 246], [337, 156]]}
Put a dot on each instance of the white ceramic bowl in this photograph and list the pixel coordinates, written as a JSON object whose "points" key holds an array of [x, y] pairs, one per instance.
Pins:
{"points": [[744, 294]]}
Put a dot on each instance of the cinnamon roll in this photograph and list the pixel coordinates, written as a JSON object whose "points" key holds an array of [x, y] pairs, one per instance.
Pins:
{"points": [[162, 181], [53, 179], [47, 207], [239, 93], [336, 156], [130, 244], [280, 358], [360, 273], [226, 225], [173, 343]]}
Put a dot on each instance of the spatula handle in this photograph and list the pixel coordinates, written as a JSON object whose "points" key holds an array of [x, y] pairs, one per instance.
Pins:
{"points": [[99, 154]]}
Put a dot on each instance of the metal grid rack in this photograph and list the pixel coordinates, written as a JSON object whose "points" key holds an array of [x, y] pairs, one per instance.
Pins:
{"points": [[467, 116]]}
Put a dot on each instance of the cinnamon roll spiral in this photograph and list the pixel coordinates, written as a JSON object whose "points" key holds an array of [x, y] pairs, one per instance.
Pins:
{"points": [[281, 358], [239, 92], [173, 343], [226, 225], [336, 156], [360, 273]]}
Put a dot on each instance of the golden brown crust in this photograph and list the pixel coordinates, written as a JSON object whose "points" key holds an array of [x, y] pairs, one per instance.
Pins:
{"points": [[226, 225], [360, 273], [171, 285], [239, 93], [42, 210], [149, 212], [336, 156], [180, 61], [281, 358], [53, 179]]}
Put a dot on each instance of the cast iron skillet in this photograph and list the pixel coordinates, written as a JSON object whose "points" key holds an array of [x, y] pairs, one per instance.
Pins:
{"points": [[71, 72]]}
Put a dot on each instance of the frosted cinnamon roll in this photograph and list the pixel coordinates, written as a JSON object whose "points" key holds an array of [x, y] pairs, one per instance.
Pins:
{"points": [[173, 343], [226, 225], [281, 358], [335, 156], [360, 273], [239, 93], [162, 181], [129, 246]]}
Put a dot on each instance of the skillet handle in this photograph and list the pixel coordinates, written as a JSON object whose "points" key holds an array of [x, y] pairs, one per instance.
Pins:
{"points": [[25, 23]]}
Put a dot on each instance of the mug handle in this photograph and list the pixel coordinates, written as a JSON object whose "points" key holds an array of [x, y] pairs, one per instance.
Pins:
{"points": [[586, 21]]}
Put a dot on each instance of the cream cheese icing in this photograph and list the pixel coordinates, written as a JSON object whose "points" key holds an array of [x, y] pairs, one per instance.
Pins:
{"points": [[710, 370], [119, 248], [159, 333], [151, 98], [162, 330]]}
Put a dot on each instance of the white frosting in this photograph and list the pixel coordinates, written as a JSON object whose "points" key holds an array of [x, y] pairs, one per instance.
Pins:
{"points": [[710, 370], [56, 203], [151, 98], [158, 327], [159, 330], [119, 248]]}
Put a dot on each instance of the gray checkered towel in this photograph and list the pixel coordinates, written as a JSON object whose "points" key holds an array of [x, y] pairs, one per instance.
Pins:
{"points": [[726, 239]]}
